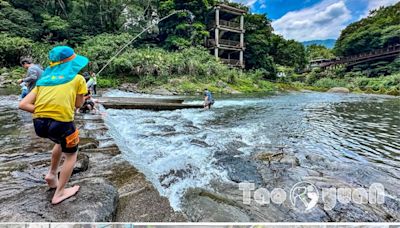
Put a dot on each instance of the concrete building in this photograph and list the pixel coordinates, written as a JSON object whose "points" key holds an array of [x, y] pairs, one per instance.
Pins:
{"points": [[226, 27]]}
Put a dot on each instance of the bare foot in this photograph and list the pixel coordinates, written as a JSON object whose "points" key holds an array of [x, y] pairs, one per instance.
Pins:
{"points": [[68, 192], [51, 180]]}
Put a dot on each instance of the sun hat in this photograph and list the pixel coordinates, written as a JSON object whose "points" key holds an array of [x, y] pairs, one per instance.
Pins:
{"points": [[64, 66]]}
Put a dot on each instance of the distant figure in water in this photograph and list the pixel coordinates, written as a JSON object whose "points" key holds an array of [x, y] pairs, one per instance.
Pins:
{"points": [[208, 99], [57, 93]]}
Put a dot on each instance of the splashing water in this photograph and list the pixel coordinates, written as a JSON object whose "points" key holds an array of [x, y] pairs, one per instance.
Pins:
{"points": [[182, 149]]}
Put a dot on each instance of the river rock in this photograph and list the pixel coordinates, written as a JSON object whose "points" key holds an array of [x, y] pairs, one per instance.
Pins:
{"points": [[112, 190], [138, 200], [162, 91], [221, 84], [96, 201], [278, 157], [82, 164], [129, 87], [203, 206], [176, 81], [339, 90], [240, 169], [5, 83]]}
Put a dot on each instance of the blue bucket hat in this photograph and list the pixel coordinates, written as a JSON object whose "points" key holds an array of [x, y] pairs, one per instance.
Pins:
{"points": [[64, 66]]}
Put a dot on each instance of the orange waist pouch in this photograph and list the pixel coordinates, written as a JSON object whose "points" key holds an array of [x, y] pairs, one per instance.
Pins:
{"points": [[72, 140]]}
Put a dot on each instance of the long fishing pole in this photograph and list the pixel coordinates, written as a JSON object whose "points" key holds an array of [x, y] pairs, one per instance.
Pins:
{"points": [[134, 38]]}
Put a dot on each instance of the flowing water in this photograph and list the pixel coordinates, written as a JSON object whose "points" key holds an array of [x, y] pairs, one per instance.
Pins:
{"points": [[180, 149], [183, 148]]}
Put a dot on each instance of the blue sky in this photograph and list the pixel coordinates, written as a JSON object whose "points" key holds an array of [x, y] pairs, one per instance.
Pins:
{"points": [[304, 20]]}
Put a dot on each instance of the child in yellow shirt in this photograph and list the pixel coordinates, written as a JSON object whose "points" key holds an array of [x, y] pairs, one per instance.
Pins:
{"points": [[53, 101]]}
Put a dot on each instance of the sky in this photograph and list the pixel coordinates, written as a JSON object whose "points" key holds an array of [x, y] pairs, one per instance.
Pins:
{"points": [[305, 20]]}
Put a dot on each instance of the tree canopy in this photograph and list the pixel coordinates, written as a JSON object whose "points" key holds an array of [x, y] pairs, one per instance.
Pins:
{"points": [[315, 51], [379, 30], [98, 27]]}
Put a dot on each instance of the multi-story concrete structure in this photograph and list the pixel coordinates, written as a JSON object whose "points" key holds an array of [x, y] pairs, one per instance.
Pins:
{"points": [[226, 26]]}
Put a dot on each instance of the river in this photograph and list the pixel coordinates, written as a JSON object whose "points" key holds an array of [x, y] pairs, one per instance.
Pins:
{"points": [[342, 136], [183, 149]]}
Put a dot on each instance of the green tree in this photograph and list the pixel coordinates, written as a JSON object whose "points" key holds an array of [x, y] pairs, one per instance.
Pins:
{"points": [[258, 44], [12, 48], [318, 52], [288, 52], [17, 22], [182, 30], [380, 29]]}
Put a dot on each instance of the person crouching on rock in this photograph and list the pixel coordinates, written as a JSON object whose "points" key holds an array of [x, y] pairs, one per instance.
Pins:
{"points": [[88, 104], [57, 93]]}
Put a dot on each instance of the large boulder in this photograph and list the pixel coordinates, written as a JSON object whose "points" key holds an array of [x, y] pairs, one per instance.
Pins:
{"points": [[129, 87], [339, 90], [96, 201], [162, 91]]}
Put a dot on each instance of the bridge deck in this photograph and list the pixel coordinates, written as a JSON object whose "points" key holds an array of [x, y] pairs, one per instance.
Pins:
{"points": [[391, 51]]}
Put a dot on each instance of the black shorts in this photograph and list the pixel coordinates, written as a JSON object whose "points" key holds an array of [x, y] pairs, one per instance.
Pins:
{"points": [[63, 133]]}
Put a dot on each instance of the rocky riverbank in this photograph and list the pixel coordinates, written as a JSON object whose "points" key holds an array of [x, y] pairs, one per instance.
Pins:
{"points": [[284, 169], [112, 190]]}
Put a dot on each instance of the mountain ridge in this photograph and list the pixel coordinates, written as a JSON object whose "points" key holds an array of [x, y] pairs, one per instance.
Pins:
{"points": [[329, 43]]}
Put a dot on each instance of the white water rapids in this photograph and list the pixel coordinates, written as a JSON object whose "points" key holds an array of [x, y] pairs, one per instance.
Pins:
{"points": [[180, 149]]}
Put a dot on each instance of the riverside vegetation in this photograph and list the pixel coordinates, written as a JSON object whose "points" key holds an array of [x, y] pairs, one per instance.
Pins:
{"points": [[171, 55], [379, 30]]}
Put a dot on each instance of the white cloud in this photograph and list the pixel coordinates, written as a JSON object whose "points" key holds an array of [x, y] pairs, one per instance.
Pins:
{"points": [[249, 3], [321, 21], [375, 4]]}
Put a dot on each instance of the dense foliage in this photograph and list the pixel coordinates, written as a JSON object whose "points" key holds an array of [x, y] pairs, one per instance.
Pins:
{"points": [[259, 44], [315, 51], [173, 48], [264, 49], [98, 28], [380, 29]]}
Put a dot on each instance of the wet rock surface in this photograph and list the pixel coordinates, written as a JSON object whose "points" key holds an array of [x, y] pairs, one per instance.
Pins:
{"points": [[284, 169], [111, 188], [96, 201]]}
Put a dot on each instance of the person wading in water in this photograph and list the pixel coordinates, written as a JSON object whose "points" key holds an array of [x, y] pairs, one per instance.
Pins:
{"points": [[208, 99], [57, 93]]}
